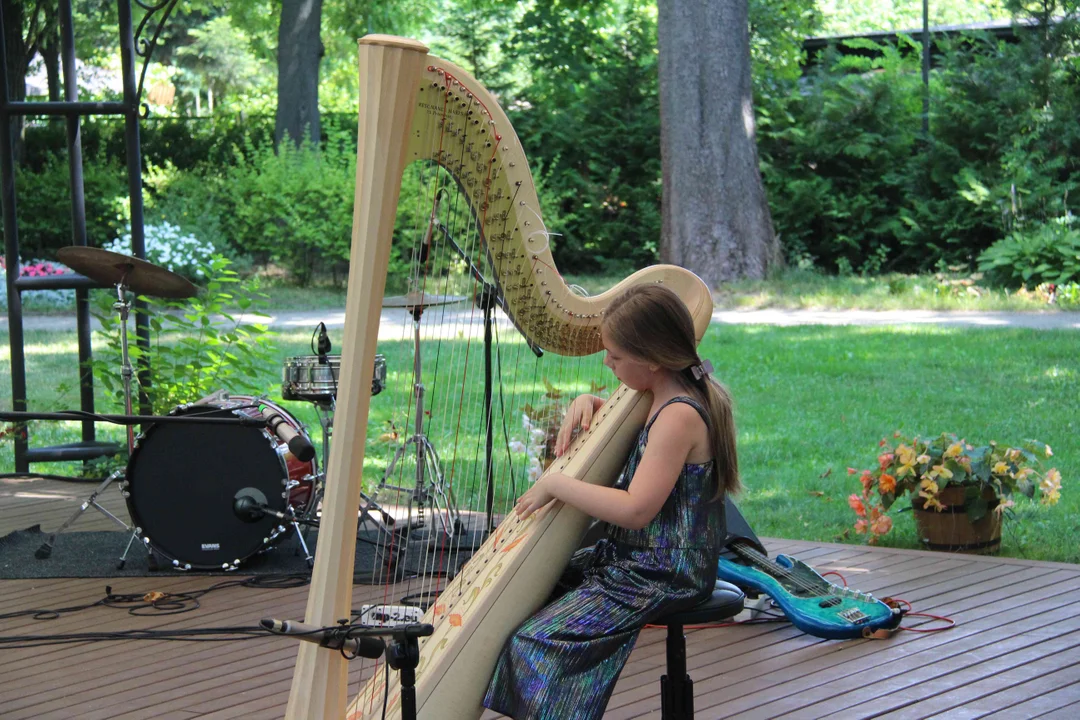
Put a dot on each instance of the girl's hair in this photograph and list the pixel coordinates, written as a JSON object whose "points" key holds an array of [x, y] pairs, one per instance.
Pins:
{"points": [[653, 324]]}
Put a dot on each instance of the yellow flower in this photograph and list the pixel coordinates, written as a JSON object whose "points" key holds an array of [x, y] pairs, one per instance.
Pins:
{"points": [[1052, 482], [929, 486], [1051, 498], [1004, 503], [906, 455], [1049, 452], [1001, 468], [922, 459], [941, 471], [930, 501], [954, 450], [1023, 473]]}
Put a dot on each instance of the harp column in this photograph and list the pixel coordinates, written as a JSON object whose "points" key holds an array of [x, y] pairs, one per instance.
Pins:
{"points": [[390, 72]]}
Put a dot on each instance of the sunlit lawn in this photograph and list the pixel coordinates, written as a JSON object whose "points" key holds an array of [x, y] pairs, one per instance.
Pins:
{"points": [[811, 402]]}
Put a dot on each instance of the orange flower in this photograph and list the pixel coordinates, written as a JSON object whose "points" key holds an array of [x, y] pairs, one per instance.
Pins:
{"points": [[851, 471], [860, 527], [888, 483], [856, 504], [885, 459], [882, 525], [867, 480]]}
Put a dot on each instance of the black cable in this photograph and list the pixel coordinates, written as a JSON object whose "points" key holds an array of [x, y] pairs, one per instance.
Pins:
{"points": [[66, 478], [191, 635], [167, 603]]}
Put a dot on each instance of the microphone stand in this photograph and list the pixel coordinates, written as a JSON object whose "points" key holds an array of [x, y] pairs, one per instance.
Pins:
{"points": [[487, 299], [402, 653]]}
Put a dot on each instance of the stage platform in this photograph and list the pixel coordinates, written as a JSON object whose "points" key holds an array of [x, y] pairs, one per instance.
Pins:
{"points": [[1014, 652]]}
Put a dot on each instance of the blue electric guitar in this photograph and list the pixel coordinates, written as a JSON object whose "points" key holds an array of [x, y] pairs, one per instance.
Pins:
{"points": [[812, 603]]}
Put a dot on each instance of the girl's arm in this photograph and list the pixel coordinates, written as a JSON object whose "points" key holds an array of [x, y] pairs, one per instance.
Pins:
{"points": [[671, 439]]}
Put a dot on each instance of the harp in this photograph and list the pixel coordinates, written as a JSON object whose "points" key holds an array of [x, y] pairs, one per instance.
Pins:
{"points": [[417, 107]]}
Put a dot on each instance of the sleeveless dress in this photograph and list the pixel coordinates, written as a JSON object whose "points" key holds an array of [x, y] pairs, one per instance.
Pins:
{"points": [[563, 662]]}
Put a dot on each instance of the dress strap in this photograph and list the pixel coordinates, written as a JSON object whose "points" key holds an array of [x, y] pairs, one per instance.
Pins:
{"points": [[684, 399]]}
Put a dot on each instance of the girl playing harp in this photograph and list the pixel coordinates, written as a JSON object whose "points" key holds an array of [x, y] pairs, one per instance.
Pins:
{"points": [[665, 519]]}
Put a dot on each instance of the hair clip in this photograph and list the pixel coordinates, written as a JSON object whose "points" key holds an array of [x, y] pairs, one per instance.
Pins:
{"points": [[700, 371]]}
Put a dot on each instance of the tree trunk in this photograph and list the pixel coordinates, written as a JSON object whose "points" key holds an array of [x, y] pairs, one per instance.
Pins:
{"points": [[716, 220], [299, 50], [51, 53]]}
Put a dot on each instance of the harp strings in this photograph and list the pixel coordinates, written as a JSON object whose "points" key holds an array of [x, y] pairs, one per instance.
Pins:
{"points": [[452, 372]]}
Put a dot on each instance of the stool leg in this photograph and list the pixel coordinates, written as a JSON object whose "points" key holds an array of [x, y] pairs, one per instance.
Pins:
{"points": [[676, 687]]}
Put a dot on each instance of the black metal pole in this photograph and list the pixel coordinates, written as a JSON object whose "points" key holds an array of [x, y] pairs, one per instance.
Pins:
{"points": [[134, 166], [78, 214], [926, 71], [11, 249], [488, 303]]}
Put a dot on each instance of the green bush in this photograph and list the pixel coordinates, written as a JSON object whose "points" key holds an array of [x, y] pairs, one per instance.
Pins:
{"points": [[1047, 253], [196, 346], [294, 207], [852, 183], [43, 204]]}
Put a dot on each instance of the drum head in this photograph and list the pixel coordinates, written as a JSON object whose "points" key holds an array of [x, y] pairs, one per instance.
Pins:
{"points": [[183, 479]]}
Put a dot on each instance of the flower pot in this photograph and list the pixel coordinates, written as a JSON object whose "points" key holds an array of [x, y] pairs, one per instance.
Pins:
{"points": [[951, 530]]}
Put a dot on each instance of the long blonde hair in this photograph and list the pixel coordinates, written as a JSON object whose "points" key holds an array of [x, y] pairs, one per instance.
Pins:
{"points": [[653, 324]]}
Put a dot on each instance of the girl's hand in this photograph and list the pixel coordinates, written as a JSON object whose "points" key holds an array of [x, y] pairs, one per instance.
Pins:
{"points": [[535, 497], [578, 415]]}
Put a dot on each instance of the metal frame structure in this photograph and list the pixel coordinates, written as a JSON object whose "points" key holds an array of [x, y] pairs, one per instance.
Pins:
{"points": [[132, 45]]}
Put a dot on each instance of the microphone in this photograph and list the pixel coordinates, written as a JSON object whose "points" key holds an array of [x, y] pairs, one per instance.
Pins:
{"points": [[247, 507], [323, 346], [299, 445], [332, 638]]}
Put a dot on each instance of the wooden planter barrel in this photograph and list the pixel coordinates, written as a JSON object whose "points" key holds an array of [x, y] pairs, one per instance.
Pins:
{"points": [[951, 530]]}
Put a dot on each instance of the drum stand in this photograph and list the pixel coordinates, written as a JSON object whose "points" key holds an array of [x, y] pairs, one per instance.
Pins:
{"points": [[122, 307], [439, 496], [383, 522]]}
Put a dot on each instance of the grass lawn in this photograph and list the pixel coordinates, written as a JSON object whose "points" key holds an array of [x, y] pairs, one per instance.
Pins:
{"points": [[790, 289], [811, 402]]}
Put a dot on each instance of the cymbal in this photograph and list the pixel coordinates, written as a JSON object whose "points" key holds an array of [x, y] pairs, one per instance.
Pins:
{"points": [[420, 300], [141, 277]]}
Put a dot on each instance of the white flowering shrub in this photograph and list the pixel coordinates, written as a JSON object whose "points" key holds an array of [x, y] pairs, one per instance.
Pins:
{"points": [[169, 247]]}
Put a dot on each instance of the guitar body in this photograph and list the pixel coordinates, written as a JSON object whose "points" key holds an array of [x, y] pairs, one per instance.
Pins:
{"points": [[812, 603]]}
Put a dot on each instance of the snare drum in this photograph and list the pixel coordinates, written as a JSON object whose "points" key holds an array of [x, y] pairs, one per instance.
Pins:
{"points": [[183, 478], [306, 377]]}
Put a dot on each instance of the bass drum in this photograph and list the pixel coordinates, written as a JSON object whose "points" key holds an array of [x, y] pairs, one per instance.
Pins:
{"points": [[183, 478]]}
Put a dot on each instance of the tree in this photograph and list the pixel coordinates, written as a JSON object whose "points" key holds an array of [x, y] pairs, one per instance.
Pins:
{"points": [[299, 52], [26, 27], [218, 59], [715, 216]]}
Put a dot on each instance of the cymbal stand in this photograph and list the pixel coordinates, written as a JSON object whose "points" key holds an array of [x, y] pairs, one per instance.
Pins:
{"points": [[324, 410], [439, 496], [122, 306]]}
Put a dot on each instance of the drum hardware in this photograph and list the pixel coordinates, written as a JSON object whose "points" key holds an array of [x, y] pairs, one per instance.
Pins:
{"points": [[430, 488], [314, 379], [124, 273]]}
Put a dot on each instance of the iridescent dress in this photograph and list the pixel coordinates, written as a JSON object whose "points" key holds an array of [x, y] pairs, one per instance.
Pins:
{"points": [[562, 663]]}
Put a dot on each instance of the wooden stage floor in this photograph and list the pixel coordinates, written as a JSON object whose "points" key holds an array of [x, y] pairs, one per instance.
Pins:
{"points": [[1014, 652]]}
